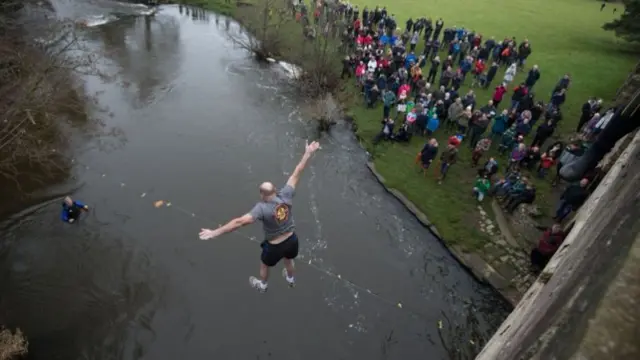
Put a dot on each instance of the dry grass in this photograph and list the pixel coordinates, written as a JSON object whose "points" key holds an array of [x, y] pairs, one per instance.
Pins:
{"points": [[12, 344]]}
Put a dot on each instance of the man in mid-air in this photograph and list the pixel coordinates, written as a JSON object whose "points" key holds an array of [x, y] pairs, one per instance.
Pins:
{"points": [[274, 210]]}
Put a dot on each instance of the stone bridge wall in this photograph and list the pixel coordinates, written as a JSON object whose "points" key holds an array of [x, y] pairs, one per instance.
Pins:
{"points": [[585, 303]]}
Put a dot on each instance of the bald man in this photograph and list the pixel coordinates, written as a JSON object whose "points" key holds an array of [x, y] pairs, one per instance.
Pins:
{"points": [[274, 210]]}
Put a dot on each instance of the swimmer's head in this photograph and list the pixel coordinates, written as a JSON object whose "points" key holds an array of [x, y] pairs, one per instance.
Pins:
{"points": [[68, 201], [267, 190]]}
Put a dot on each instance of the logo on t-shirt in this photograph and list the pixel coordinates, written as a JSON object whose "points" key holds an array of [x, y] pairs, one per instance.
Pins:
{"points": [[281, 213]]}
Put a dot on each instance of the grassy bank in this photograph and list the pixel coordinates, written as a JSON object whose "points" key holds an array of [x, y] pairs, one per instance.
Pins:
{"points": [[566, 38]]}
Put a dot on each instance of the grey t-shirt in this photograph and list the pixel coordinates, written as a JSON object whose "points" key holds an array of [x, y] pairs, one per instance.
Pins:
{"points": [[276, 215]]}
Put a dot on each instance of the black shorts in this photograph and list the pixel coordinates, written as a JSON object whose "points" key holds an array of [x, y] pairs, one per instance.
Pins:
{"points": [[272, 254]]}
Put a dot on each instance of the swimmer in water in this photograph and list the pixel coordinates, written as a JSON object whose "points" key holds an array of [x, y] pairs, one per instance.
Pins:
{"points": [[274, 210], [71, 210]]}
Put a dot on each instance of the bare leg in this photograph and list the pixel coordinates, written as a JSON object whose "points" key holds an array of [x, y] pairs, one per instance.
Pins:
{"points": [[288, 264], [264, 273]]}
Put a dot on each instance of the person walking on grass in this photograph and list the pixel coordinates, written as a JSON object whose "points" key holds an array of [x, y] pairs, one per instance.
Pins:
{"points": [[448, 157], [275, 212]]}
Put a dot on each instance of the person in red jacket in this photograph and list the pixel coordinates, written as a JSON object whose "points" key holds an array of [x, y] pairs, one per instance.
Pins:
{"points": [[498, 94], [548, 244], [478, 69], [356, 26], [368, 40], [519, 93]]}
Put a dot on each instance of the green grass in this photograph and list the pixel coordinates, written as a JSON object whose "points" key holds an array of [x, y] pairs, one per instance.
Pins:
{"points": [[566, 37]]}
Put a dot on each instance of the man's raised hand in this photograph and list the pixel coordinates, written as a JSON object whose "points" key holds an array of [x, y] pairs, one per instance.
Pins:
{"points": [[311, 148]]}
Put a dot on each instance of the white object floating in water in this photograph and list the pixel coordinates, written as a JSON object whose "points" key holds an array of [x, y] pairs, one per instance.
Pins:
{"points": [[271, 60], [193, 215], [471, 342], [400, 305], [350, 325], [122, 184], [143, 195], [339, 277], [291, 70], [104, 175], [93, 21], [168, 204]]}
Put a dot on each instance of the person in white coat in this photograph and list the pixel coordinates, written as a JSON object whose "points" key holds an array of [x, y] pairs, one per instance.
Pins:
{"points": [[510, 74]]}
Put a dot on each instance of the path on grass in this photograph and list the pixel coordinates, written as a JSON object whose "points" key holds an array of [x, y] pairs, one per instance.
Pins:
{"points": [[205, 126]]}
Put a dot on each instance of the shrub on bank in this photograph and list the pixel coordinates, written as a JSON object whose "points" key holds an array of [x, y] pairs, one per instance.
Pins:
{"points": [[40, 96], [12, 344]]}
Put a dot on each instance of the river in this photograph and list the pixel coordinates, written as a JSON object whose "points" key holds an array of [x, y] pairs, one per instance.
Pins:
{"points": [[204, 126]]}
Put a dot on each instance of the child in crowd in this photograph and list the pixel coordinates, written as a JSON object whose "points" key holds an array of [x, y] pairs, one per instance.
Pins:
{"points": [[546, 162], [432, 122], [401, 108], [481, 187]]}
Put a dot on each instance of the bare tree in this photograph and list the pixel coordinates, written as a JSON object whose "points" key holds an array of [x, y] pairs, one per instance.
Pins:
{"points": [[461, 340], [320, 57], [267, 28], [41, 99], [324, 111]]}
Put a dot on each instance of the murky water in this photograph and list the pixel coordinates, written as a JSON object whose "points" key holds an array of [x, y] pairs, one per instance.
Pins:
{"points": [[205, 125]]}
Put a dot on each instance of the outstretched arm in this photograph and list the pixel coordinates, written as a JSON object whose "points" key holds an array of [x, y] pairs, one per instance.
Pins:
{"points": [[295, 176], [81, 205], [207, 234]]}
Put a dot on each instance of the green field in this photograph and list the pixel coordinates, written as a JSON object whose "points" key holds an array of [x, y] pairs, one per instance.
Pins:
{"points": [[566, 37]]}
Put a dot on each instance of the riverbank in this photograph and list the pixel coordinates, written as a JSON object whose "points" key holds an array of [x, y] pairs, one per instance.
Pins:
{"points": [[492, 245], [134, 271], [510, 282], [500, 268]]}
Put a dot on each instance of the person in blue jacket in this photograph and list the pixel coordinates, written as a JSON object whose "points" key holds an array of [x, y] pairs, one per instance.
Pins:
{"points": [[71, 210]]}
